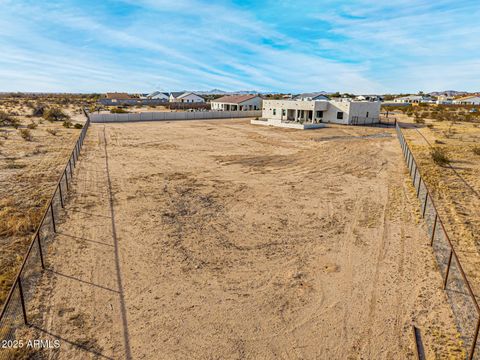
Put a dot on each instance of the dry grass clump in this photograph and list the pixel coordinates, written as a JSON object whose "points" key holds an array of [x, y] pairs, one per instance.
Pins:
{"points": [[26, 134], [32, 125], [439, 156], [52, 131], [476, 150], [8, 120], [16, 221], [118, 110], [67, 124]]}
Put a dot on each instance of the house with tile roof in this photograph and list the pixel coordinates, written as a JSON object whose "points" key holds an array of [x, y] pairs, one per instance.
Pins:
{"points": [[237, 103]]}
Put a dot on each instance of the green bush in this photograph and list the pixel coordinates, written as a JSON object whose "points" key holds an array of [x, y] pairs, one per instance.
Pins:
{"points": [[439, 156], [55, 114]]}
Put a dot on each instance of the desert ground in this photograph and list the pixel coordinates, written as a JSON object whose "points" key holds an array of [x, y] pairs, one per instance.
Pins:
{"points": [[454, 186], [29, 170], [223, 240]]}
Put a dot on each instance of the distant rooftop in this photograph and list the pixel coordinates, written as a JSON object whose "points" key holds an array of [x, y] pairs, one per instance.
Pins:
{"points": [[235, 99]]}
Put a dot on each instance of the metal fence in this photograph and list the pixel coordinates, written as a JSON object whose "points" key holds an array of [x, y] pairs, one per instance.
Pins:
{"points": [[17, 309], [460, 294], [378, 122]]}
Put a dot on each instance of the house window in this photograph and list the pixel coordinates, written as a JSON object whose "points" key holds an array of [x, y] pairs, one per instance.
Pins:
{"points": [[339, 115], [274, 111], [319, 114], [367, 113], [284, 112]]}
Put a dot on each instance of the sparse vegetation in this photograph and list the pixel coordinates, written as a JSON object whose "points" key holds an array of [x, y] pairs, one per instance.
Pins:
{"points": [[8, 120], [78, 126], [55, 114], [476, 150], [32, 125], [439, 156], [118, 110], [26, 134], [67, 124], [38, 111], [52, 131]]}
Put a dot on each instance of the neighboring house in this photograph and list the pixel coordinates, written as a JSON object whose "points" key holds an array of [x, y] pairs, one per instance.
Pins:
{"points": [[369, 98], [117, 96], [237, 103], [310, 96], [468, 100], [414, 99], [340, 112], [444, 100], [158, 95], [185, 97]]}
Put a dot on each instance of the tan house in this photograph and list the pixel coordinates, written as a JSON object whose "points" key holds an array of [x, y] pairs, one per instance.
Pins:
{"points": [[237, 103]]}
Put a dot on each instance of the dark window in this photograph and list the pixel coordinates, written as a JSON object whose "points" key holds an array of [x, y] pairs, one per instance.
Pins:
{"points": [[340, 115], [319, 114], [367, 113], [284, 112], [274, 112]]}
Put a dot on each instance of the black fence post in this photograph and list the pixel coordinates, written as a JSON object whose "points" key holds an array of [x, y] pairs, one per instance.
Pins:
{"points": [[434, 228], [22, 300], [53, 217], [61, 195], [419, 184], [425, 204], [66, 178], [40, 250], [448, 269]]}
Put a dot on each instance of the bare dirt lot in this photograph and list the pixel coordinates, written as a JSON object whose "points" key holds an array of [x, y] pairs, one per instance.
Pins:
{"points": [[222, 240]]}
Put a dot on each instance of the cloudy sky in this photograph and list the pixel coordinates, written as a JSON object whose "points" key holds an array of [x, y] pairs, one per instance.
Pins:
{"points": [[362, 46]]}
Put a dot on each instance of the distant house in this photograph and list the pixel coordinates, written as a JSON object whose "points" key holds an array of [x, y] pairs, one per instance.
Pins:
{"points": [[468, 100], [158, 95], [185, 97], [369, 98], [117, 96], [414, 99], [310, 97], [237, 103], [444, 100]]}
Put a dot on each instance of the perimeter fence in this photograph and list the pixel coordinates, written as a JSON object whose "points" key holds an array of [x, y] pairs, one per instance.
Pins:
{"points": [[459, 291], [17, 311]]}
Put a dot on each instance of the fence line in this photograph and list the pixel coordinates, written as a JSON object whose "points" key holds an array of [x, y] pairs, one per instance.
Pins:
{"points": [[15, 311], [165, 116], [460, 294]]}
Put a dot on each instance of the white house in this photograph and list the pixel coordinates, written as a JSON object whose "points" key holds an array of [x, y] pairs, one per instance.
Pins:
{"points": [[310, 96], [187, 97], [158, 95], [414, 99], [323, 111], [468, 100], [237, 103], [444, 100]]}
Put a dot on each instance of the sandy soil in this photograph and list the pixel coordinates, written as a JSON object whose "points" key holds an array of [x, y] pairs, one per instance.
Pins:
{"points": [[29, 171], [222, 240], [456, 188]]}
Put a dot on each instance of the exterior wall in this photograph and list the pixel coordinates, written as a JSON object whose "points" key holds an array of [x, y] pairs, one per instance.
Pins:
{"points": [[168, 116], [352, 110], [471, 101], [159, 97], [251, 104]]}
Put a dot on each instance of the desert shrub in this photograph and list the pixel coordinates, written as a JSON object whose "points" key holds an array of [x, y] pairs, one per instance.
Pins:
{"points": [[439, 156], [52, 131], [55, 114], [78, 126], [38, 111], [439, 142], [118, 111], [67, 124], [32, 125], [430, 126], [419, 120], [476, 150], [25, 134], [8, 120]]}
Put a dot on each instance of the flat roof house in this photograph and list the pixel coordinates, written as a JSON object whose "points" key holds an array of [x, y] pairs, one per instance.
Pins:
{"points": [[315, 112], [237, 103], [468, 100], [185, 97], [414, 99]]}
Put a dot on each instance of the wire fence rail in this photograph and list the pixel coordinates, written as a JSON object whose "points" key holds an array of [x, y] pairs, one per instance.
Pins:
{"points": [[459, 292], [17, 312]]}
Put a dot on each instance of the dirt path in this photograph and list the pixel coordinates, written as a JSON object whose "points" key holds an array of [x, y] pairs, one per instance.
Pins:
{"points": [[199, 240]]}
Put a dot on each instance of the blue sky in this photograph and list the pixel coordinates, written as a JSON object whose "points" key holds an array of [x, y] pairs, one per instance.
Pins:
{"points": [[362, 46]]}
